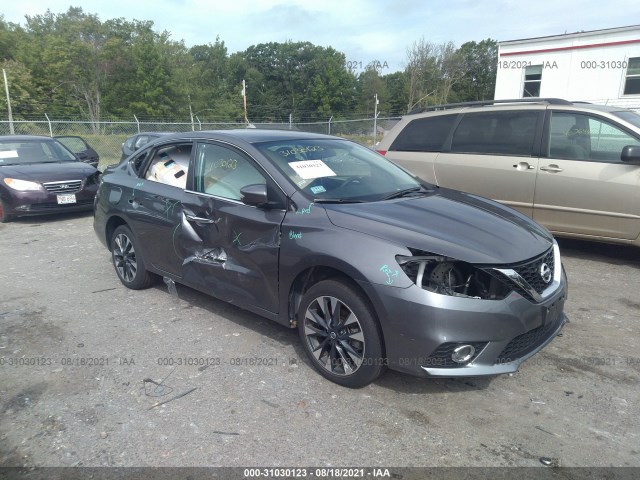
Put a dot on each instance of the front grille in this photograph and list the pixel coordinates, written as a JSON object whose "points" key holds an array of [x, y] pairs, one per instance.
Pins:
{"points": [[527, 342], [66, 186], [441, 358], [531, 271]]}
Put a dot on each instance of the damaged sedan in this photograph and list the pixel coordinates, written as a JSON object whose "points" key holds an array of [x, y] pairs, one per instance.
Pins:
{"points": [[373, 266]]}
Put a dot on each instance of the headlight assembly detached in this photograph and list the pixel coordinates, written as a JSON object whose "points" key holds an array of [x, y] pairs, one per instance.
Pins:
{"points": [[448, 276]]}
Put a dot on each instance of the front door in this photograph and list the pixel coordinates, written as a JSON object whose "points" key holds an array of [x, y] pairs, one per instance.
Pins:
{"points": [[582, 186], [231, 250]]}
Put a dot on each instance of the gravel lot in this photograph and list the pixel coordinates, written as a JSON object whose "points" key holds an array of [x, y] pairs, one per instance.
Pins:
{"points": [[76, 348]]}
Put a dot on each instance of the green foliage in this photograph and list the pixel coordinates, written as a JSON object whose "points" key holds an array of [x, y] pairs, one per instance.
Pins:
{"points": [[74, 65]]}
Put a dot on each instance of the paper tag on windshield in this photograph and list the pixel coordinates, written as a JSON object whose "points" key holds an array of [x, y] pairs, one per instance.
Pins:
{"points": [[312, 169], [9, 154]]}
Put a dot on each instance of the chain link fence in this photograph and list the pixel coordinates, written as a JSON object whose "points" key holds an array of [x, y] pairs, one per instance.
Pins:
{"points": [[106, 137]]}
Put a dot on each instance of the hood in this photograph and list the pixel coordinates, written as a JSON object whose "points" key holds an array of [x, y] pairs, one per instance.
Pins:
{"points": [[48, 172], [449, 223]]}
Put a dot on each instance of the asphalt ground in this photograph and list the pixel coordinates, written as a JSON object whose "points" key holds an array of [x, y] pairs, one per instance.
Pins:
{"points": [[79, 354]]}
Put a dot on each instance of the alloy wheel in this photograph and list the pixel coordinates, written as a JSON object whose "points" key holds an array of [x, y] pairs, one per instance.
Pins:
{"points": [[334, 335], [124, 258]]}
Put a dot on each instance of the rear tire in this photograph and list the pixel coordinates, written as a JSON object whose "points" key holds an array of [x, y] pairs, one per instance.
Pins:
{"points": [[127, 260], [340, 334]]}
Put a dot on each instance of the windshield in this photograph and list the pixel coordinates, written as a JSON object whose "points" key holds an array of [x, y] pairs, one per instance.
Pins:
{"points": [[23, 152], [337, 170], [631, 117]]}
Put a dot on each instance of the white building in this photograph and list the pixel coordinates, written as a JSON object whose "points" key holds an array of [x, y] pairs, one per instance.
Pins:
{"points": [[600, 66]]}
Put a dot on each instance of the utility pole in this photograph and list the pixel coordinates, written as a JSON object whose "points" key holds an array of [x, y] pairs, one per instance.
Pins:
{"points": [[375, 119], [244, 100], [193, 127], [6, 88]]}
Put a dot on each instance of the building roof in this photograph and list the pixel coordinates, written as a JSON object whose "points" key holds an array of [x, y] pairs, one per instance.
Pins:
{"points": [[566, 36]]}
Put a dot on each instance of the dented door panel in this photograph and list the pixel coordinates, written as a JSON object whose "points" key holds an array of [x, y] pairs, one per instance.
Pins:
{"points": [[231, 250]]}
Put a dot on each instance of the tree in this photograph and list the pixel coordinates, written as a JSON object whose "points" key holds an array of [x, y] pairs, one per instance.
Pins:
{"points": [[371, 84], [22, 90], [64, 53], [296, 78], [432, 72], [398, 92], [480, 62]]}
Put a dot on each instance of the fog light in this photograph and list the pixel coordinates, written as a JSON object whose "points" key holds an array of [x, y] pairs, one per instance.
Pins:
{"points": [[463, 353]]}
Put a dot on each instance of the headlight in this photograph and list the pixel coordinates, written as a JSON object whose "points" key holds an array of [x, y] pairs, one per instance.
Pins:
{"points": [[448, 276], [22, 185]]}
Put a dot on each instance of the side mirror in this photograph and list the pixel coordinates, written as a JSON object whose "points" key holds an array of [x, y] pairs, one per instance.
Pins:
{"points": [[254, 195], [631, 154]]}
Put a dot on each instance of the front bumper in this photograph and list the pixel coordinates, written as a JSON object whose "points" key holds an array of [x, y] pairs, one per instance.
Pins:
{"points": [[421, 329], [39, 202]]}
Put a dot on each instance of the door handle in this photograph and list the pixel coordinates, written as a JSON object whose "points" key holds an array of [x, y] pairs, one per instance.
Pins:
{"points": [[552, 168], [523, 166], [193, 218]]}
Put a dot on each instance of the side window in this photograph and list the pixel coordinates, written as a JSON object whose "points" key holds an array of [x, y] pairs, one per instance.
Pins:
{"points": [[532, 81], [223, 172], [170, 164], [142, 140], [498, 133], [574, 136], [137, 162], [424, 134], [632, 79]]}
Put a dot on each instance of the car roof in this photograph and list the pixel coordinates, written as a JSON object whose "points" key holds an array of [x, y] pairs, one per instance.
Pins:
{"points": [[532, 102], [28, 138], [252, 135], [152, 133]]}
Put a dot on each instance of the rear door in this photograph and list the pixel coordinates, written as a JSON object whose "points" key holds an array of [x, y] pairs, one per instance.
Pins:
{"points": [[583, 187], [231, 249], [81, 148], [494, 154], [154, 203]]}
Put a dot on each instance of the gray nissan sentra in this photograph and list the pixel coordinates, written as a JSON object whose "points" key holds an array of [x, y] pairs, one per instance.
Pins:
{"points": [[373, 266]]}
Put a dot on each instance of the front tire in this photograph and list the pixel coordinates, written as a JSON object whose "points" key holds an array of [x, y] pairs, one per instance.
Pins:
{"points": [[340, 334], [4, 215], [127, 260]]}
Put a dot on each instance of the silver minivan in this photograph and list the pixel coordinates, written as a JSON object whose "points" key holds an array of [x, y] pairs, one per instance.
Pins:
{"points": [[574, 167]]}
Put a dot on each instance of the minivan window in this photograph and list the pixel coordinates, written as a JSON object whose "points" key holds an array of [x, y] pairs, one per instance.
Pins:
{"points": [[424, 134], [500, 133], [631, 117], [575, 136]]}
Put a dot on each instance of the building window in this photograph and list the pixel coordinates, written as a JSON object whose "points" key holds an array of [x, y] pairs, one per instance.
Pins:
{"points": [[532, 81], [632, 81]]}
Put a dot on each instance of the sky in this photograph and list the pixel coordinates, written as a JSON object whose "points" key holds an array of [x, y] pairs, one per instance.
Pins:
{"points": [[364, 30]]}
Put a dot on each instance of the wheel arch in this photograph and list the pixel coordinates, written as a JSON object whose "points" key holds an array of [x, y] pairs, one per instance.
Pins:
{"points": [[113, 223], [310, 276]]}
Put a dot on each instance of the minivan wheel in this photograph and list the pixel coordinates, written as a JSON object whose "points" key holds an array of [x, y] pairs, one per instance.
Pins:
{"points": [[340, 334], [128, 261]]}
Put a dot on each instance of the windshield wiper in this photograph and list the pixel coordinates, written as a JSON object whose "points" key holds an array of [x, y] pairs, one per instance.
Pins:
{"points": [[402, 193], [336, 200]]}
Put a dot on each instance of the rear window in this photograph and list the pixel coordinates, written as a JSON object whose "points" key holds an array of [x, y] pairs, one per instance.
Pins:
{"points": [[424, 134], [498, 133]]}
